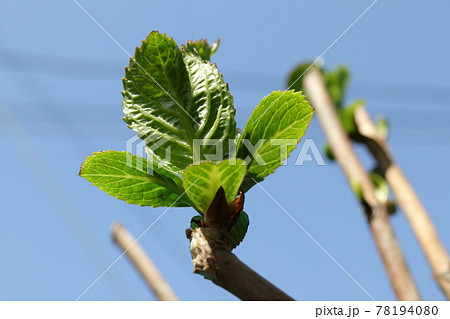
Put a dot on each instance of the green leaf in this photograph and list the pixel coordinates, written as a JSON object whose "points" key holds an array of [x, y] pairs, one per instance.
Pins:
{"points": [[196, 220], [382, 191], [381, 186], [347, 117], [337, 81], [201, 48], [295, 79], [382, 125], [392, 207], [239, 230], [172, 98], [273, 130], [213, 109], [237, 233], [202, 181], [125, 177], [329, 152], [357, 189]]}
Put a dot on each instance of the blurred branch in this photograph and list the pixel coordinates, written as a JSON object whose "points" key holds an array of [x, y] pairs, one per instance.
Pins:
{"points": [[408, 200], [212, 258], [377, 214], [143, 263]]}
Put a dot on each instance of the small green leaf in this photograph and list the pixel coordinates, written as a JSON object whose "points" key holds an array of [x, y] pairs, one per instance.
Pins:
{"points": [[295, 80], [201, 48], [196, 220], [381, 187], [125, 177], [347, 117], [239, 230], [382, 124], [175, 101], [237, 233], [392, 207], [273, 131], [329, 152], [202, 181], [336, 81], [382, 191], [357, 189]]}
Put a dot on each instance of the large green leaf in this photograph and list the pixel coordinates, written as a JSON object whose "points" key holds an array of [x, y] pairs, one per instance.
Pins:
{"points": [[125, 177], [172, 98], [274, 129], [202, 181], [212, 108]]}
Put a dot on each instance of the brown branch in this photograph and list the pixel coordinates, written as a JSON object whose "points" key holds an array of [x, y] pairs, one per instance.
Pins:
{"points": [[382, 232], [143, 263], [212, 258], [408, 200]]}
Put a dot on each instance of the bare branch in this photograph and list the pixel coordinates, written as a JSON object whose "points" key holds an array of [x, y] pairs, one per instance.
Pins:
{"points": [[408, 200], [143, 263], [213, 259], [383, 234]]}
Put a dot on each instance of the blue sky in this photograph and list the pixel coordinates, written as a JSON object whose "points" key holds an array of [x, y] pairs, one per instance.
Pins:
{"points": [[60, 101]]}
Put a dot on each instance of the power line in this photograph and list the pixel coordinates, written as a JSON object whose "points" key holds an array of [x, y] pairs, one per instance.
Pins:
{"points": [[104, 115], [57, 195], [56, 192], [91, 69], [66, 67]]}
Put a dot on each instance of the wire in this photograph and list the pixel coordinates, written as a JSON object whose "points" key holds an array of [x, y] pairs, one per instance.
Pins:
{"points": [[57, 195], [55, 191], [91, 69], [66, 67]]}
